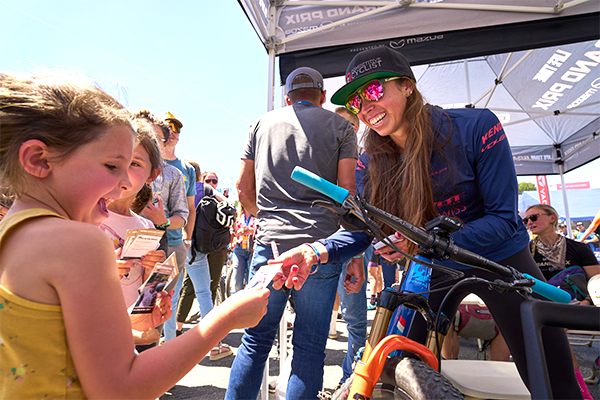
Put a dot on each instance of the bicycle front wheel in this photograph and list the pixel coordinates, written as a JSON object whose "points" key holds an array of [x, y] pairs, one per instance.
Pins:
{"points": [[407, 379]]}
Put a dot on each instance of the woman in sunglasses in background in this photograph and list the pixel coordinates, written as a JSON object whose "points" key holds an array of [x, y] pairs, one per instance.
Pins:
{"points": [[559, 257], [421, 161], [210, 178]]}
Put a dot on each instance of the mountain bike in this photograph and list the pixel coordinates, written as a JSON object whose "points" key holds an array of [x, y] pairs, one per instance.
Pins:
{"points": [[402, 375]]}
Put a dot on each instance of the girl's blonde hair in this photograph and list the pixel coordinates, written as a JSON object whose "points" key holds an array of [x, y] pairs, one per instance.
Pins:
{"points": [[547, 210], [62, 112]]}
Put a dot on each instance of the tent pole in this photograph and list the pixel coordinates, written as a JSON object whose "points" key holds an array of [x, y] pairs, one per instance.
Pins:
{"points": [[467, 81], [271, 78], [561, 168]]}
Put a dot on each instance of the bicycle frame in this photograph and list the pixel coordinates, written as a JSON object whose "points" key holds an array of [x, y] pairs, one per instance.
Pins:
{"points": [[356, 215], [393, 318]]}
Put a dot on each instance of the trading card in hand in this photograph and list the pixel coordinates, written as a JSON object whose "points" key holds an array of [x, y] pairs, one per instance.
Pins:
{"points": [[159, 278], [140, 241], [264, 276]]}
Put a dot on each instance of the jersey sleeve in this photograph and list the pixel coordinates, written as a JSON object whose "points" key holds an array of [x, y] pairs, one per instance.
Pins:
{"points": [[497, 183]]}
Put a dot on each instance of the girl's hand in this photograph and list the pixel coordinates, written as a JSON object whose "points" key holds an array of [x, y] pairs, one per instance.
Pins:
{"points": [[160, 314], [151, 258], [392, 255], [246, 307], [155, 213], [124, 266], [146, 337]]}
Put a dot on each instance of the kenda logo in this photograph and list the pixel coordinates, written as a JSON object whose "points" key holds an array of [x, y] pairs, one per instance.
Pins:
{"points": [[573, 75]]}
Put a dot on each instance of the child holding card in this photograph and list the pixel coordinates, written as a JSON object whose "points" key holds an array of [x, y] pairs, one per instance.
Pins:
{"points": [[144, 169], [65, 152]]}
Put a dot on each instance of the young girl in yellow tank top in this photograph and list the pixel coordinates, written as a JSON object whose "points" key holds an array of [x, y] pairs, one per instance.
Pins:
{"points": [[65, 151]]}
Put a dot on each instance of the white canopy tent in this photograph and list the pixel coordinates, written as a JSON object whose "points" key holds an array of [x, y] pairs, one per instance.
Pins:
{"points": [[535, 63], [552, 128]]}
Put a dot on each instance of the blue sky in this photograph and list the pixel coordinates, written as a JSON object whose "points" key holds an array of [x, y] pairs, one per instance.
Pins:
{"points": [[201, 60]]}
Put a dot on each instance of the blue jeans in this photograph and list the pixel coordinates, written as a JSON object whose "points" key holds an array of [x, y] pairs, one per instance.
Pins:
{"points": [[241, 259], [313, 304], [354, 311], [199, 273], [388, 271]]}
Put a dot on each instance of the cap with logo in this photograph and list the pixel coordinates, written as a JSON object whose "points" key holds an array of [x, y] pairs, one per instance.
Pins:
{"points": [[380, 62], [317, 79], [168, 116]]}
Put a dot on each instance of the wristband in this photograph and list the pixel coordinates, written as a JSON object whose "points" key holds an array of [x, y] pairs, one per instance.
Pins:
{"points": [[165, 225], [187, 241], [314, 248], [358, 256]]}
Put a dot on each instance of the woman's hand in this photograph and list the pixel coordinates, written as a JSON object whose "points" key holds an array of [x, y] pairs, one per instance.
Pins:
{"points": [[160, 314], [296, 267], [392, 255]]}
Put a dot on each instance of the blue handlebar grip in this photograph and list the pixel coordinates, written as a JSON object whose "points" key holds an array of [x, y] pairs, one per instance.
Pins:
{"points": [[548, 291], [319, 184]]}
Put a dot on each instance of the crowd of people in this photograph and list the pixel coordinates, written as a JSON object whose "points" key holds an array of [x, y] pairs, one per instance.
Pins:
{"points": [[72, 160]]}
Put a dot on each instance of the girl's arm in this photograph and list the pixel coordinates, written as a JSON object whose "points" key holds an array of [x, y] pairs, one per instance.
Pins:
{"points": [[99, 330]]}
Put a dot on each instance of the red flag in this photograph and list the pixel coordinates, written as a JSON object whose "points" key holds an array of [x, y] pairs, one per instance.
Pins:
{"points": [[542, 186]]}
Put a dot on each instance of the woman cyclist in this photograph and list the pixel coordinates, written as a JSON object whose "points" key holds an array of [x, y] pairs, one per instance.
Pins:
{"points": [[421, 161]]}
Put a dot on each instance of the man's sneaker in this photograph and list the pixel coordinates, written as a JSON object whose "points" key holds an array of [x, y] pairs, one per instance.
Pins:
{"points": [[219, 352]]}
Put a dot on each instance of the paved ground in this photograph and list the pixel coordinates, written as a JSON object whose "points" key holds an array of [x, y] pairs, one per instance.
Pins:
{"points": [[208, 380]]}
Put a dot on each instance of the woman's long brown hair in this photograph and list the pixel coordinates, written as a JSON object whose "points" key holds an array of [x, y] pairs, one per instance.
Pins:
{"points": [[399, 179]]}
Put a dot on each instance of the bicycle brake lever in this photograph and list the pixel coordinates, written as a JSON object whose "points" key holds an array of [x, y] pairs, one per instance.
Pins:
{"points": [[349, 221]]}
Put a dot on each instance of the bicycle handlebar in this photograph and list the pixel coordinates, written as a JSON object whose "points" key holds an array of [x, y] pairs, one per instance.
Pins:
{"points": [[319, 184], [429, 240]]}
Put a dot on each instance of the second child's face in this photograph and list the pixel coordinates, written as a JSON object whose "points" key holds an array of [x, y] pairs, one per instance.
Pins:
{"points": [[94, 175], [139, 171]]}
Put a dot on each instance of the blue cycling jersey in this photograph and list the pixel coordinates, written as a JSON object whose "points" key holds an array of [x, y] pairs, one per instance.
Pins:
{"points": [[473, 178]]}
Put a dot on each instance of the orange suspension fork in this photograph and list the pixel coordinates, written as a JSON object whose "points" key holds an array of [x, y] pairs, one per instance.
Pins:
{"points": [[366, 375]]}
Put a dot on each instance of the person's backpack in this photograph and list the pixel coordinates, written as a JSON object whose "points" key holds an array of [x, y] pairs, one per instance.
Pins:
{"points": [[213, 220]]}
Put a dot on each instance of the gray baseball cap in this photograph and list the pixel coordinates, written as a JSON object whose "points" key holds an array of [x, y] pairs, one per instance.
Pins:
{"points": [[317, 79]]}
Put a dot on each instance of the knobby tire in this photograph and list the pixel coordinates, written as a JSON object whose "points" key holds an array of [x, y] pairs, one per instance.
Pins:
{"points": [[408, 379]]}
